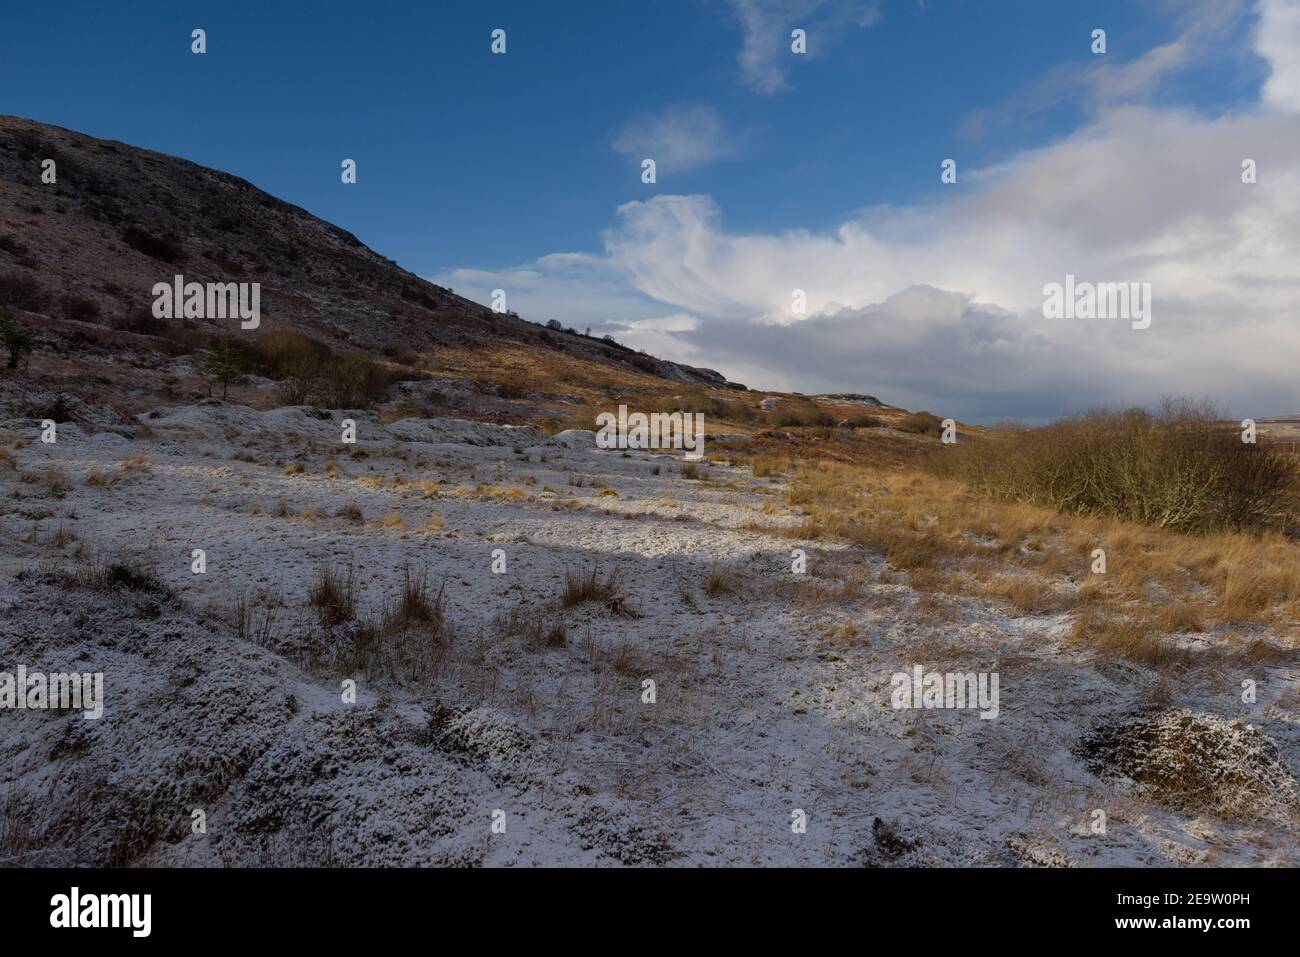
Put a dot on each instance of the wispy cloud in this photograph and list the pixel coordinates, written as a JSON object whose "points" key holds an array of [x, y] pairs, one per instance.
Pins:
{"points": [[680, 137], [765, 54], [1204, 29]]}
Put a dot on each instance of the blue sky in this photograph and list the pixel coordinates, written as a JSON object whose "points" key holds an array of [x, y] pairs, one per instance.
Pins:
{"points": [[516, 171], [469, 158]]}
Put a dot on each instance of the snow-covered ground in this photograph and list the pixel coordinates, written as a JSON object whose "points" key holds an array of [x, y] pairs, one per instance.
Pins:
{"points": [[772, 688]]}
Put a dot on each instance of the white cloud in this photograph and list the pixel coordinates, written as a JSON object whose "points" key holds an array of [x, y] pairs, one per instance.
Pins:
{"points": [[578, 290], [660, 334], [1277, 40], [1138, 196], [941, 305], [680, 137]]}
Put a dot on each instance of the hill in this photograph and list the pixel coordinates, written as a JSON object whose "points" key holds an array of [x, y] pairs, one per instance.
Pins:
{"points": [[79, 258]]}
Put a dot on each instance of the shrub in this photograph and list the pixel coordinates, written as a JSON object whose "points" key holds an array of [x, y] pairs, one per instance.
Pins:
{"points": [[14, 338], [309, 372], [698, 399], [922, 423], [1179, 468], [802, 412], [22, 291], [141, 321], [1194, 761], [79, 308], [167, 248]]}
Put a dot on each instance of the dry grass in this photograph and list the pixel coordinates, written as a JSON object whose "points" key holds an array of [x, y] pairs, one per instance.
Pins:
{"points": [[583, 587], [1024, 592], [537, 629], [414, 606], [919, 521], [764, 466], [52, 479], [334, 594], [1181, 616], [410, 642], [720, 580], [1125, 637], [101, 479]]}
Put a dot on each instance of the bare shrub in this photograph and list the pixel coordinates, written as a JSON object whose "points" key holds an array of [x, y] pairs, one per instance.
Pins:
{"points": [[167, 248], [921, 423], [22, 291], [1178, 468], [79, 309], [141, 321], [309, 372], [800, 412]]}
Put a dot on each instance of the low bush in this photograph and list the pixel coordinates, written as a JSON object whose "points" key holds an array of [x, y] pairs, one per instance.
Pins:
{"points": [[79, 309], [800, 413], [1180, 467], [167, 248], [922, 423], [22, 291], [311, 373]]}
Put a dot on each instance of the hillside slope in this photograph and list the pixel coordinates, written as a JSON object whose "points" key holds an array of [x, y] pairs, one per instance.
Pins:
{"points": [[81, 256]]}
